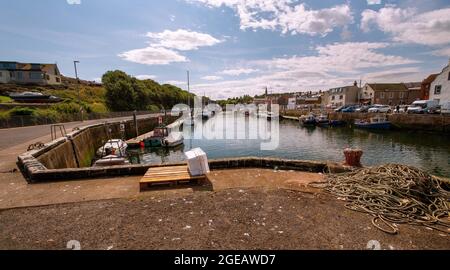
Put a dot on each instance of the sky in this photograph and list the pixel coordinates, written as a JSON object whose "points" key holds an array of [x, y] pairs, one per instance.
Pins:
{"points": [[233, 47]]}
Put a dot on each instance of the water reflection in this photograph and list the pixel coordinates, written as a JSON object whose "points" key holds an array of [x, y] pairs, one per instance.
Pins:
{"points": [[427, 151]]}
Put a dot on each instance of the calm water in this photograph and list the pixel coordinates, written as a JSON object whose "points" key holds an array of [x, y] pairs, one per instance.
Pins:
{"points": [[428, 151]]}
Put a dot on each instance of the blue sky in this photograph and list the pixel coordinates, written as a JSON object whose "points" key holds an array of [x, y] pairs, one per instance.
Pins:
{"points": [[233, 47]]}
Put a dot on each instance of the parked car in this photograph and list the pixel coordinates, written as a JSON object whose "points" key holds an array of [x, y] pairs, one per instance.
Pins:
{"points": [[339, 109], [422, 106], [445, 108], [378, 108], [349, 109], [402, 109], [363, 109]]}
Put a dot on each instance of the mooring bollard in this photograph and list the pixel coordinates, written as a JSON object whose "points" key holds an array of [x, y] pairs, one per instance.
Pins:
{"points": [[353, 157]]}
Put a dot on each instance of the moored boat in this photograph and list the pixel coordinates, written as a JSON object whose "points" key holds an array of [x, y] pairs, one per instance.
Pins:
{"points": [[163, 138], [307, 120], [110, 160], [115, 147], [378, 122], [322, 120]]}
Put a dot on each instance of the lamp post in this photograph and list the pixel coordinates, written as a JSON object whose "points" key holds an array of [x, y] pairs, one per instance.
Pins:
{"points": [[78, 88]]}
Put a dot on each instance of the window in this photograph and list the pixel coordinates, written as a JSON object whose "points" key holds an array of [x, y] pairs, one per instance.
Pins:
{"points": [[381, 95], [341, 97], [391, 95], [58, 79], [437, 89], [332, 98], [1, 74], [449, 76], [401, 95]]}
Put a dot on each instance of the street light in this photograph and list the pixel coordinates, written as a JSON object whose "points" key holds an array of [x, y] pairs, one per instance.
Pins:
{"points": [[78, 88]]}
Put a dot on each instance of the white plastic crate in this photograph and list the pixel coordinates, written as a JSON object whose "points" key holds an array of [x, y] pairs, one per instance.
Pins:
{"points": [[197, 162]]}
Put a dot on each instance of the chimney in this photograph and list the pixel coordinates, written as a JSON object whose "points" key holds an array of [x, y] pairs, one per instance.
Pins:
{"points": [[355, 83]]}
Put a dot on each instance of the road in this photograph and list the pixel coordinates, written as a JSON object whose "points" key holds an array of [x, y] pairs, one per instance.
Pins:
{"points": [[14, 136]]}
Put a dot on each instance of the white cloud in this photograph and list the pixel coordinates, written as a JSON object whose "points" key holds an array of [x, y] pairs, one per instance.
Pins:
{"points": [[239, 71], [74, 2], [410, 26], [153, 56], [211, 78], [177, 83], [182, 40], [332, 65], [340, 57], [145, 77], [283, 15], [442, 52], [373, 2], [162, 47]]}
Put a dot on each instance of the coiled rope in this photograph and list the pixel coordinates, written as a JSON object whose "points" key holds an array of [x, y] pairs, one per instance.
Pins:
{"points": [[393, 194]]}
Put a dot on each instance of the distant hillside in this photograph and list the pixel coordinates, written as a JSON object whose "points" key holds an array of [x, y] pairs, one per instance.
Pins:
{"points": [[122, 93]]}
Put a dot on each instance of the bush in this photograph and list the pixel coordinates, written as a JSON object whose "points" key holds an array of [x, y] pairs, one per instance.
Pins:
{"points": [[49, 114], [22, 111], [153, 108], [4, 99], [4, 115]]}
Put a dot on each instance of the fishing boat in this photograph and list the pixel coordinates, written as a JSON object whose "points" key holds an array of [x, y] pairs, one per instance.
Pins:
{"points": [[322, 120], [378, 122], [174, 139], [307, 120], [163, 138], [115, 147]]}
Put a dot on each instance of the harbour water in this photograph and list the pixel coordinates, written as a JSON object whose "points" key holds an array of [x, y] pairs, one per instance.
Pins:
{"points": [[427, 151]]}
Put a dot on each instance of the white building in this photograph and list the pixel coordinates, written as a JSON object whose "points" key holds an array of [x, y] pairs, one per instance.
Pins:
{"points": [[440, 87], [292, 103]]}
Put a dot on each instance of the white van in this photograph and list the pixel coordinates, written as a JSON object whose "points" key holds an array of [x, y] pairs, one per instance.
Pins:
{"points": [[422, 106], [445, 107]]}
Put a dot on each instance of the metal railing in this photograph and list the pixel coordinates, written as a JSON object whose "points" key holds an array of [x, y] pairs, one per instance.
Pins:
{"points": [[30, 120]]}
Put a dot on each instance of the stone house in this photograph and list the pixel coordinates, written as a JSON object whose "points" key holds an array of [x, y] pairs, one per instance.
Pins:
{"points": [[29, 73]]}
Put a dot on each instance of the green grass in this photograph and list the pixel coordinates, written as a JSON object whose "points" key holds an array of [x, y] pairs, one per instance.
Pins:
{"points": [[4, 99]]}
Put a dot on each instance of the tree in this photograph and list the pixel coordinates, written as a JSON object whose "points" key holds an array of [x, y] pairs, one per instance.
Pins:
{"points": [[125, 93]]}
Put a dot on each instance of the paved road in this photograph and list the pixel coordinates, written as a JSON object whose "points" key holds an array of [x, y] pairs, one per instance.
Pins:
{"points": [[14, 136]]}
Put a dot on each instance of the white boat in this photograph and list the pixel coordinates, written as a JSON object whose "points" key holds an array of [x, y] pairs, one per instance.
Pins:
{"points": [[206, 114], [175, 138], [322, 120], [110, 160], [116, 147]]}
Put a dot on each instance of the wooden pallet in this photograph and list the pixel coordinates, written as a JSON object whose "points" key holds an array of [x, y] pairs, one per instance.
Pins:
{"points": [[171, 175]]}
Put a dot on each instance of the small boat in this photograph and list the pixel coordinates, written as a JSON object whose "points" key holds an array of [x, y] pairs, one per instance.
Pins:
{"points": [[162, 138], [271, 116], [378, 122], [206, 114], [307, 120], [174, 139], [110, 160], [115, 147], [322, 120]]}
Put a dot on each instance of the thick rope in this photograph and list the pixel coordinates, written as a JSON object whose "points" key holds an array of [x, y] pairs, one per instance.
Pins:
{"points": [[393, 194]]}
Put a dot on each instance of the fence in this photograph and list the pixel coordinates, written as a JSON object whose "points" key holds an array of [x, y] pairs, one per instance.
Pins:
{"points": [[30, 120]]}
